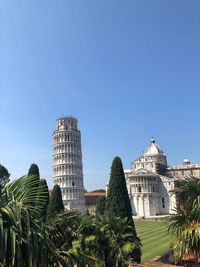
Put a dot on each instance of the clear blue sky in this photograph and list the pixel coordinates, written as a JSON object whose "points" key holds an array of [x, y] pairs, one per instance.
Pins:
{"points": [[128, 70]]}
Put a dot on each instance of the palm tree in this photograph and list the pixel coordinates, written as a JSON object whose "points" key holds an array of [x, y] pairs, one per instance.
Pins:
{"points": [[122, 241], [82, 246], [188, 190], [25, 240], [185, 223], [110, 241]]}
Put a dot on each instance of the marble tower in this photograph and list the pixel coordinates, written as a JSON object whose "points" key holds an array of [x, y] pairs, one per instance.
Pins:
{"points": [[67, 162]]}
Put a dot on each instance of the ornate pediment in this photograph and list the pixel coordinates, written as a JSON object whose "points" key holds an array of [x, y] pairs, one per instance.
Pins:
{"points": [[143, 171]]}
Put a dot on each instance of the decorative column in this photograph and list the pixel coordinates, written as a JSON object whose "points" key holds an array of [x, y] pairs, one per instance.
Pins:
{"points": [[68, 170]]}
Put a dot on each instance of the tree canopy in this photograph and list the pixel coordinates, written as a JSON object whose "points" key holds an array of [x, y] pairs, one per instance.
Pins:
{"points": [[55, 202], [43, 189], [34, 170], [4, 175], [101, 205], [25, 241], [99, 191], [185, 223], [118, 202]]}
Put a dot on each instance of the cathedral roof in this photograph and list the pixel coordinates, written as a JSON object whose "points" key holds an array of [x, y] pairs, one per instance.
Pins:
{"points": [[153, 149]]}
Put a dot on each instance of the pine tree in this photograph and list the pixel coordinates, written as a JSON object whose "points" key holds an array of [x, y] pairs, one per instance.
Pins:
{"points": [[55, 202], [34, 170], [117, 201], [101, 205]]}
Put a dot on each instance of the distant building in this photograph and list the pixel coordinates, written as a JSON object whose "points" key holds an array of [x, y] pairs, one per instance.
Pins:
{"points": [[91, 198], [150, 182], [67, 163]]}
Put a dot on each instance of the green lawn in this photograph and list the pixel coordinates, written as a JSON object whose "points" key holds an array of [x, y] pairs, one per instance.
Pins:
{"points": [[154, 237]]}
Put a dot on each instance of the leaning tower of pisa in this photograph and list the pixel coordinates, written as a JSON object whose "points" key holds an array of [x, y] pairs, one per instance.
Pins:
{"points": [[67, 162]]}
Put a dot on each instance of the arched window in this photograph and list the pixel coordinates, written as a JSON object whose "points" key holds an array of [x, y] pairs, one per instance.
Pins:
{"points": [[163, 202]]}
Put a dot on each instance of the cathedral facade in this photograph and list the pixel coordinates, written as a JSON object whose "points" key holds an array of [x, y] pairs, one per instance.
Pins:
{"points": [[150, 182]]}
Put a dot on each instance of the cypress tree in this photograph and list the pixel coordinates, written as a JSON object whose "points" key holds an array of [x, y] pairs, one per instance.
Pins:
{"points": [[101, 205], [55, 202], [44, 191], [34, 170], [4, 176], [117, 201]]}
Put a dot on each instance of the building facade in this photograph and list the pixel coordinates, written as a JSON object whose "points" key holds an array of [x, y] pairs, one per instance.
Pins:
{"points": [[91, 198], [150, 182], [67, 162]]}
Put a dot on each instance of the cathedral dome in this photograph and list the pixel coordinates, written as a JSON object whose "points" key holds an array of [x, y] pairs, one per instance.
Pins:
{"points": [[186, 162], [153, 149]]}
